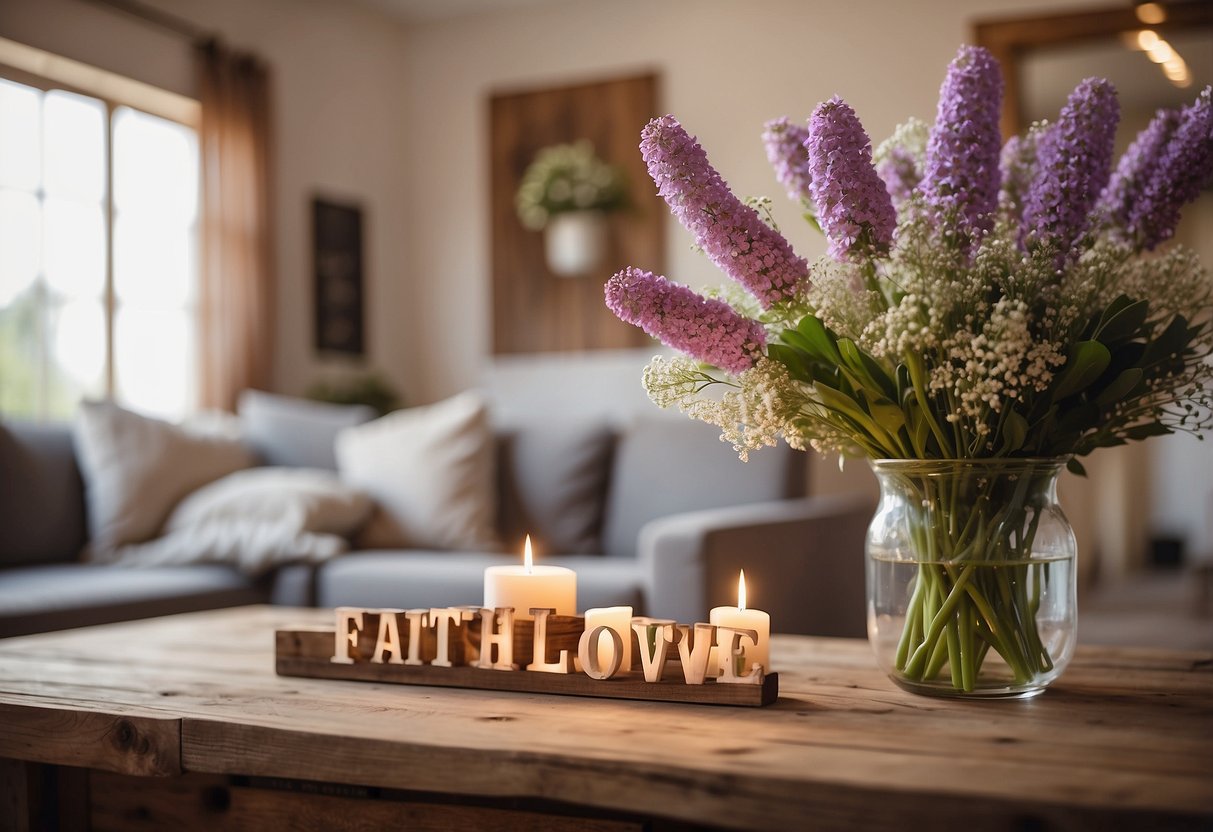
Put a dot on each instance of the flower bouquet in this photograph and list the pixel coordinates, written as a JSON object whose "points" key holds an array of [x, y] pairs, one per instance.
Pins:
{"points": [[986, 315], [565, 178]]}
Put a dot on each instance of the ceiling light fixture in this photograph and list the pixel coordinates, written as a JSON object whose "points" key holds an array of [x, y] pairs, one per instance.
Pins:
{"points": [[1151, 14], [1161, 52], [1147, 39]]}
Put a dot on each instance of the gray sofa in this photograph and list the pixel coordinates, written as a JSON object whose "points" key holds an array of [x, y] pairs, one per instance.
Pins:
{"points": [[655, 513]]}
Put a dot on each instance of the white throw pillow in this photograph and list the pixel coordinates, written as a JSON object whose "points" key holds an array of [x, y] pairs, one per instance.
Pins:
{"points": [[136, 468], [257, 519], [430, 469], [251, 547], [305, 499]]}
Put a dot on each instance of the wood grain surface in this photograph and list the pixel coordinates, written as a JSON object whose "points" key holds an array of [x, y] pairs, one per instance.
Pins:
{"points": [[533, 309], [1123, 740]]}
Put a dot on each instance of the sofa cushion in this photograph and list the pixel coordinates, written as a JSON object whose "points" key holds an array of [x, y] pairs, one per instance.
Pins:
{"points": [[552, 485], [59, 596], [430, 469], [284, 430], [305, 499], [666, 466], [438, 579], [41, 495], [136, 469]]}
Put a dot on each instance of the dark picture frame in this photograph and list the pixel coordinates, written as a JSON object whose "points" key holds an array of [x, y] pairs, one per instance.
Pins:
{"points": [[338, 278]]}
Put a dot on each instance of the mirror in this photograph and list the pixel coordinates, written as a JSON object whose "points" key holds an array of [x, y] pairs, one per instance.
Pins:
{"points": [[1142, 502]]}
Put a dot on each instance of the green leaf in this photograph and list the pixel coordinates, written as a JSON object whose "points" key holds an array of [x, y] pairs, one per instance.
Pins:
{"points": [[1138, 432], [904, 387], [1172, 341], [1120, 387], [1086, 363], [866, 368], [791, 359], [888, 415], [1124, 323], [1078, 419], [1113, 309], [1075, 467], [820, 338], [1014, 432], [794, 339], [845, 406], [921, 430]]}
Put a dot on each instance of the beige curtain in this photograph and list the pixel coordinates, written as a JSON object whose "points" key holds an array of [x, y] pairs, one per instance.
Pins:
{"points": [[236, 297]]}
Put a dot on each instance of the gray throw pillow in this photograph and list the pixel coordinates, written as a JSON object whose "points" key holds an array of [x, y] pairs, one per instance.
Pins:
{"points": [[286, 431], [553, 480]]}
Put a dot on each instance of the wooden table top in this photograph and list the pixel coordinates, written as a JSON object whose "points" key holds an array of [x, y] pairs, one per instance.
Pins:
{"points": [[1125, 739]]}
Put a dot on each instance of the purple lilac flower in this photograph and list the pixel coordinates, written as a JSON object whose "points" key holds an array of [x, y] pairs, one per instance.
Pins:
{"points": [[1135, 172], [900, 174], [788, 156], [962, 177], [703, 328], [1185, 166], [732, 234], [900, 159], [853, 206], [1017, 167], [1074, 160]]}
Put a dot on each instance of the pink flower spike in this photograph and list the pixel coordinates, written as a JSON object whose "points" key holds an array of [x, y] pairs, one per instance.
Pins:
{"points": [[730, 233], [703, 328]]}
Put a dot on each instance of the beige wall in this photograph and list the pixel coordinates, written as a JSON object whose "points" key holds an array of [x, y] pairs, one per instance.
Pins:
{"points": [[339, 125]]}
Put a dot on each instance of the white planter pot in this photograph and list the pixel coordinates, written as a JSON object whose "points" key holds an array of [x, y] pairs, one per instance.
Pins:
{"points": [[575, 243]]}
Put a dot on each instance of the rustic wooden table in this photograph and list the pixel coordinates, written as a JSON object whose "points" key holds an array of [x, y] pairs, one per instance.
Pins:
{"points": [[180, 722]]}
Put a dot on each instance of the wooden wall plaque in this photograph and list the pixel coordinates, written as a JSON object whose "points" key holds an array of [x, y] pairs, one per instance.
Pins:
{"points": [[533, 309]]}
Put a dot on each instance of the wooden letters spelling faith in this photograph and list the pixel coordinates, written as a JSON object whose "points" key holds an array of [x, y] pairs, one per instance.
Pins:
{"points": [[471, 646]]}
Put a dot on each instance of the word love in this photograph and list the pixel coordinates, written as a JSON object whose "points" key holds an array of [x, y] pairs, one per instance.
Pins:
{"points": [[495, 639]]}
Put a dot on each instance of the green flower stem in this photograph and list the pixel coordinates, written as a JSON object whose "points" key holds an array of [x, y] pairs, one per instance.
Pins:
{"points": [[913, 625], [915, 666], [938, 656], [968, 668], [955, 660]]}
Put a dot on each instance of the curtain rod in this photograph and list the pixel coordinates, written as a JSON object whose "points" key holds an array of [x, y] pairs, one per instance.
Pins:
{"points": [[156, 17]]}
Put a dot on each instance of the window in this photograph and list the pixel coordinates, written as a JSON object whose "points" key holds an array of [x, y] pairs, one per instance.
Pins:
{"points": [[98, 254]]}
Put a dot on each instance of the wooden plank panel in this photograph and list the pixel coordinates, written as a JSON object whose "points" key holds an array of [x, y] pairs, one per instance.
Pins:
{"points": [[68, 736], [212, 803], [534, 310]]}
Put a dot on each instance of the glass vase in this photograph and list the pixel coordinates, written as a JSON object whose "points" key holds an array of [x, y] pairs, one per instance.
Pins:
{"points": [[970, 576]]}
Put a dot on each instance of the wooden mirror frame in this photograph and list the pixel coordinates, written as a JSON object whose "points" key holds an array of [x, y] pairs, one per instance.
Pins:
{"points": [[1010, 39]]}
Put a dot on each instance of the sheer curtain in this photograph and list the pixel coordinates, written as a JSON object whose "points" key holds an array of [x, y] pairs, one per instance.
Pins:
{"points": [[236, 289]]}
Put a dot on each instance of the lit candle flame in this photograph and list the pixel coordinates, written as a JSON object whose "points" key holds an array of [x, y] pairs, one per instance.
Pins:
{"points": [[741, 590], [526, 556]]}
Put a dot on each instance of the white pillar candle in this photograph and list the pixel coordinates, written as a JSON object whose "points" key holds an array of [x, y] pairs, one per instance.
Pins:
{"points": [[529, 586], [745, 619], [618, 619]]}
